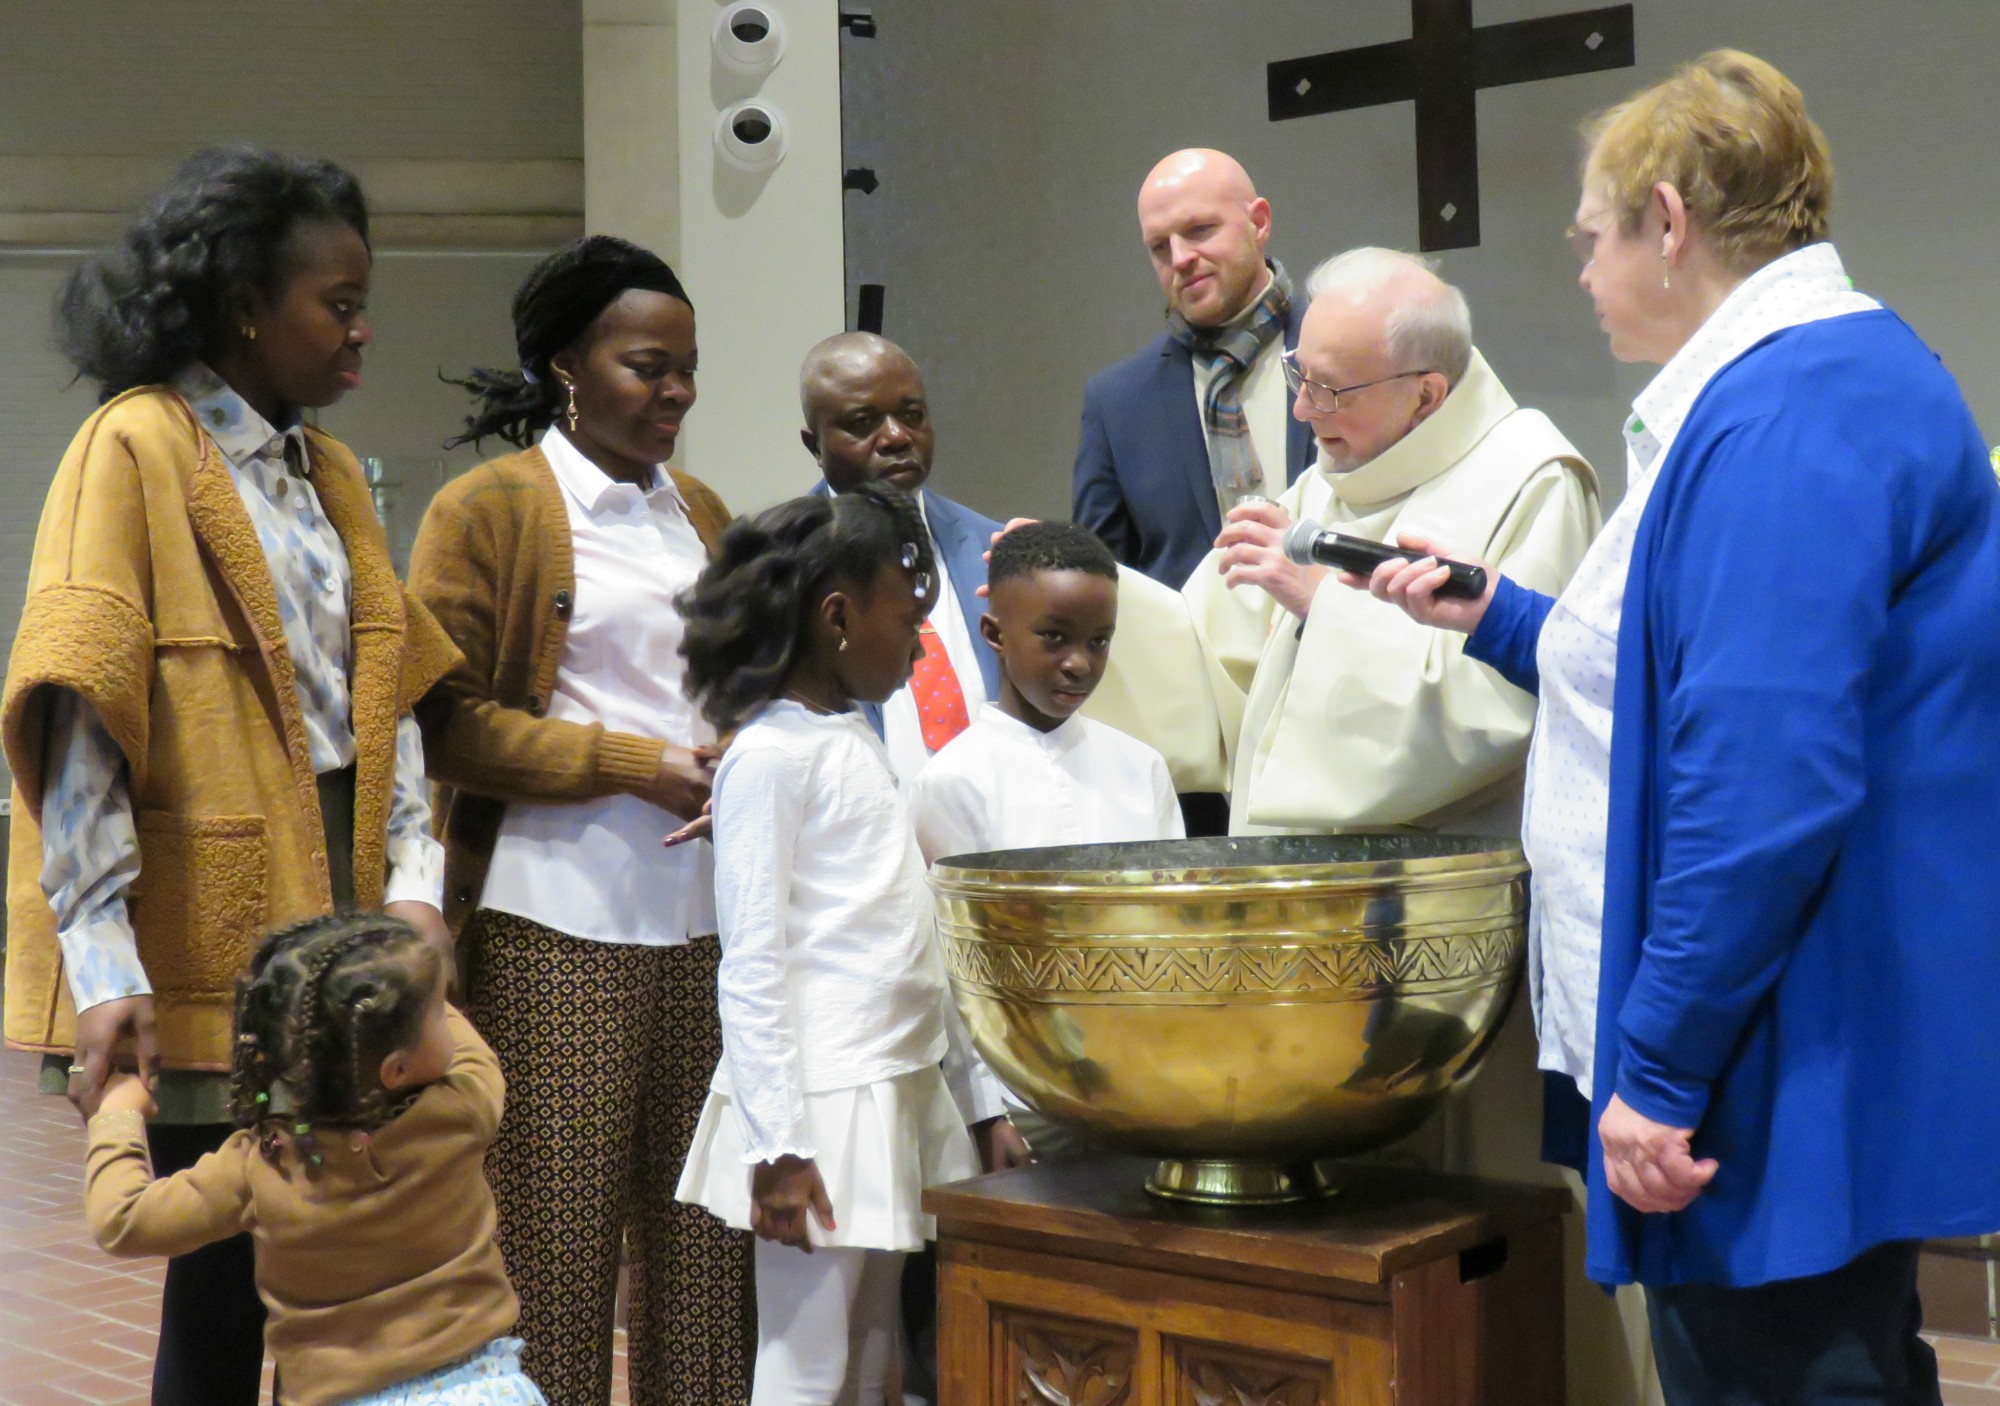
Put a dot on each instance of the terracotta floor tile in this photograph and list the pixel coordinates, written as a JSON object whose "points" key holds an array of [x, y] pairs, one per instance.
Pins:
{"points": [[77, 1327]]}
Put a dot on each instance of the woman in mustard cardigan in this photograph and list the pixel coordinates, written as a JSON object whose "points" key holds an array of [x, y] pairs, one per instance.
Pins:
{"points": [[207, 707], [572, 750]]}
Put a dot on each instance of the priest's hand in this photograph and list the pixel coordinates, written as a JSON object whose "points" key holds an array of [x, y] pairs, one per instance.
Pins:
{"points": [[1412, 583], [1650, 1166], [782, 1194], [987, 555], [1253, 554]]}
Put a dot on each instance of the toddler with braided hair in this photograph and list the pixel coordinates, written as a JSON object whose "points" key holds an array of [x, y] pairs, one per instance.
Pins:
{"points": [[364, 1105]]}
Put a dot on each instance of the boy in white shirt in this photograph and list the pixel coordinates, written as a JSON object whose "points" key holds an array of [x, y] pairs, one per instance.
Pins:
{"points": [[1029, 771]]}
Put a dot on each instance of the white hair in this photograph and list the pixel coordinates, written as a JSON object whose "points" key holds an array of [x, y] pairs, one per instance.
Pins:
{"points": [[1429, 329]]}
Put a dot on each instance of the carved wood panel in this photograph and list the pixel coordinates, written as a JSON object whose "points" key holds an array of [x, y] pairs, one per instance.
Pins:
{"points": [[1206, 1375], [1065, 1362]]}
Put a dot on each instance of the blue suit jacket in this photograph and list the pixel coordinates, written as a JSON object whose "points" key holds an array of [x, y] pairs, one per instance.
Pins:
{"points": [[1802, 900], [962, 538], [1142, 481]]}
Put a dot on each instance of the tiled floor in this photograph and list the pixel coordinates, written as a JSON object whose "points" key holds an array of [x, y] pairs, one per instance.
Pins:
{"points": [[76, 1325]]}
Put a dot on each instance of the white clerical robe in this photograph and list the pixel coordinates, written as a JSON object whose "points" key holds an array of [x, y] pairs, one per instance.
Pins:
{"points": [[1362, 717], [1365, 718]]}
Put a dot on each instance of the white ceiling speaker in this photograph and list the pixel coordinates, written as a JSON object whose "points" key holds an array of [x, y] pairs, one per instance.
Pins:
{"points": [[750, 135], [749, 39]]}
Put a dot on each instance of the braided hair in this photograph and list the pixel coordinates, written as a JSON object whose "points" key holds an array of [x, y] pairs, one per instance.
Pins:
{"points": [[555, 305], [161, 297], [322, 1004], [749, 615]]}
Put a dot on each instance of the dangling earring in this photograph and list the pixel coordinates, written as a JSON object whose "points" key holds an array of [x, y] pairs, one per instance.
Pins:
{"points": [[843, 645], [1666, 271], [570, 386], [249, 332]]}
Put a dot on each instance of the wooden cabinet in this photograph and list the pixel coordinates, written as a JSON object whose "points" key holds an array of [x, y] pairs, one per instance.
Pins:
{"points": [[1067, 1285]]}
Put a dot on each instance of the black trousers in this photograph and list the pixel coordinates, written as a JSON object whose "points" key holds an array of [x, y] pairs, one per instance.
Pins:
{"points": [[1848, 1336], [211, 1320]]}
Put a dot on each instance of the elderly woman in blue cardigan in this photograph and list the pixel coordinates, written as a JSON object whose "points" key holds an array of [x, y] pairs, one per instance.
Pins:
{"points": [[1764, 792]]}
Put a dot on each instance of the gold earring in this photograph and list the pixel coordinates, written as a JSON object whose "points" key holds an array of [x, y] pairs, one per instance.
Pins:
{"points": [[1666, 273], [570, 386], [843, 645], [249, 333]]}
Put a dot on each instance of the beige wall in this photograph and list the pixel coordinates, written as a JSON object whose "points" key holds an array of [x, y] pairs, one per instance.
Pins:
{"points": [[1011, 140]]}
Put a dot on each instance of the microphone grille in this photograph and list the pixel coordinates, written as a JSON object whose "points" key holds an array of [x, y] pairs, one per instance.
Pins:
{"points": [[1299, 541]]}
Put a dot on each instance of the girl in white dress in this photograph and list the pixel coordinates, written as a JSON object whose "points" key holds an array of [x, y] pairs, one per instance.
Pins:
{"points": [[830, 1112]]}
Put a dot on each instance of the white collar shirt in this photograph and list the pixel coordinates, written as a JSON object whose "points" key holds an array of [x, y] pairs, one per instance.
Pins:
{"points": [[1005, 785], [902, 731], [1569, 764], [596, 869]]}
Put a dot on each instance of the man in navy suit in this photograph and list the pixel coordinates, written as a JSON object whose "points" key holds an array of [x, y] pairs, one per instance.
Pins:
{"points": [[1177, 435], [867, 418]]}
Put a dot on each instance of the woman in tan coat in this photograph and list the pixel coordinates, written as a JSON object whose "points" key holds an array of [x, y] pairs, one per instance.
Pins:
{"points": [[572, 750], [206, 710]]}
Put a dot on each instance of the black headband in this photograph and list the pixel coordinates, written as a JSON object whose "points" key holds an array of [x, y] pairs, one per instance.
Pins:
{"points": [[569, 300]]}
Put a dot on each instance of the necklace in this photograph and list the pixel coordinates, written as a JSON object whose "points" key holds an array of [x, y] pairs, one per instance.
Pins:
{"points": [[810, 706]]}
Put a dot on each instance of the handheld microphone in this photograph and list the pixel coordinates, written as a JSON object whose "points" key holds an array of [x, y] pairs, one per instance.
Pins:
{"points": [[1309, 544]]}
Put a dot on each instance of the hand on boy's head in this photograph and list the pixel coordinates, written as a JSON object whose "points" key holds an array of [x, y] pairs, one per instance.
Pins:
{"points": [[987, 555], [126, 1093]]}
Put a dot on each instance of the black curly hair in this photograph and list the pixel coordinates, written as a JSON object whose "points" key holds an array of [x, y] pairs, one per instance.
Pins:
{"points": [[555, 305], [321, 1005], [1049, 546], [749, 615], [139, 312]]}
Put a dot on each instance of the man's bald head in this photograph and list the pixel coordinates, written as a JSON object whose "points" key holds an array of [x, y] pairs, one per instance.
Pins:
{"points": [[1205, 229], [866, 413]]}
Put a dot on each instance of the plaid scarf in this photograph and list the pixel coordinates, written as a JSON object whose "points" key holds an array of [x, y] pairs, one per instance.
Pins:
{"points": [[1229, 352]]}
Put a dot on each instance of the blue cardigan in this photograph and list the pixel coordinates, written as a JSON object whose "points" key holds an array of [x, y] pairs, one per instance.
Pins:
{"points": [[1801, 951]]}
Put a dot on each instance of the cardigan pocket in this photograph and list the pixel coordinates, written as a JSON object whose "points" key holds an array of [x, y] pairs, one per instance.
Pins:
{"points": [[199, 903]]}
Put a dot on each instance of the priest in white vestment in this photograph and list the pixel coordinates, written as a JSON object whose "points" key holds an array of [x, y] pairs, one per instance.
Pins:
{"points": [[1318, 710], [1311, 705]]}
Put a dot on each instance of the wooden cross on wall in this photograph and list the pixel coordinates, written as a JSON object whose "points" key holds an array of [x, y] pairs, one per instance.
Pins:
{"points": [[1442, 66]]}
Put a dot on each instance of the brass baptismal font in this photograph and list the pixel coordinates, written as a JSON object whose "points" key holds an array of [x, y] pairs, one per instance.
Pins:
{"points": [[1241, 1010]]}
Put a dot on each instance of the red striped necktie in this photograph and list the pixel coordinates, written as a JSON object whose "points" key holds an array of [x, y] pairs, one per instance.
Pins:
{"points": [[940, 701]]}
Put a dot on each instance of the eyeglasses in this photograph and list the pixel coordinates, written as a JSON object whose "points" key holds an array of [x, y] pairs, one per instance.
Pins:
{"points": [[1325, 398], [1583, 239]]}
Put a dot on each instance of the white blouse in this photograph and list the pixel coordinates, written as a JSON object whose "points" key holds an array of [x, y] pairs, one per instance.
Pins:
{"points": [[1569, 763], [831, 975], [1004, 785], [596, 869]]}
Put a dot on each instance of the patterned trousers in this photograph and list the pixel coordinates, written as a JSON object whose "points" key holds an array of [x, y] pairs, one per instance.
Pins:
{"points": [[608, 1051]]}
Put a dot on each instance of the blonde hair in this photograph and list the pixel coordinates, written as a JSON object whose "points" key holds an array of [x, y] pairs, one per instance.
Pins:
{"points": [[1730, 133]]}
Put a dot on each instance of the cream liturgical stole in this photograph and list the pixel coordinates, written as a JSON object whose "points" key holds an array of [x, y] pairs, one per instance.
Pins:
{"points": [[1362, 717]]}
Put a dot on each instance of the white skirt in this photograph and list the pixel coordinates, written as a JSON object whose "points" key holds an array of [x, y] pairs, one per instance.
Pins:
{"points": [[879, 1146]]}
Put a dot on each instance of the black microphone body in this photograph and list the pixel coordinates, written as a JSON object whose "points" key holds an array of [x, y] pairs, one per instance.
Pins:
{"points": [[1308, 544]]}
